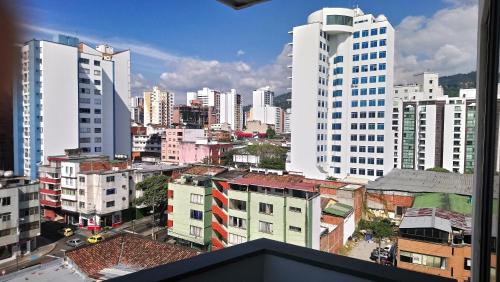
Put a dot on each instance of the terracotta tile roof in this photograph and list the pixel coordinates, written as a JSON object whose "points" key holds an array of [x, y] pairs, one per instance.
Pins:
{"points": [[95, 166], [204, 170], [275, 181], [133, 251]]}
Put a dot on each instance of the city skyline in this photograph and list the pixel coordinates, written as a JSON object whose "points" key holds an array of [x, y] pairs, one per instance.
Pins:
{"points": [[244, 62]]}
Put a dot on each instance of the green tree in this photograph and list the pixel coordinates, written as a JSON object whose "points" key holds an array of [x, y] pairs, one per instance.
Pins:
{"points": [[381, 228], [154, 191], [271, 133], [438, 169]]}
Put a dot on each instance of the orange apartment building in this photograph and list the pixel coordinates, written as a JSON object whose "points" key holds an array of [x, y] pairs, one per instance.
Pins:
{"points": [[436, 241]]}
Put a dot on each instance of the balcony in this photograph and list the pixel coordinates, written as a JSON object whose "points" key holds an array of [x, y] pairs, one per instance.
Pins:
{"points": [[50, 191], [50, 180], [217, 244], [219, 229], [220, 213], [219, 196], [170, 194], [170, 209], [50, 203]]}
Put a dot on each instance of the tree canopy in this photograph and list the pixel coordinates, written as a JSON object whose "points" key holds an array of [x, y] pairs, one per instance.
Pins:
{"points": [[271, 156], [438, 169], [155, 191]]}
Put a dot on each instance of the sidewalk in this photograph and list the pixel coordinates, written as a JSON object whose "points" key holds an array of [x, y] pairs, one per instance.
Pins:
{"points": [[37, 254]]}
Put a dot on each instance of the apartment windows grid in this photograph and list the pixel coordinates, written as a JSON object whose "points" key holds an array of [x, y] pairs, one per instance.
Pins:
{"points": [[265, 227], [195, 214], [196, 199], [195, 231], [236, 239], [237, 222], [265, 208]]}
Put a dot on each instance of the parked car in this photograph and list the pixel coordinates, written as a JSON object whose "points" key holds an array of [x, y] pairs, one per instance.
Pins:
{"points": [[75, 243], [95, 239], [375, 254], [67, 232]]}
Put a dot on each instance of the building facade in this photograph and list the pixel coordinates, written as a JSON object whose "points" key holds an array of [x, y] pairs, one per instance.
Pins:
{"points": [[20, 215], [94, 87], [231, 111], [342, 79], [172, 140], [434, 130], [158, 107], [137, 109]]}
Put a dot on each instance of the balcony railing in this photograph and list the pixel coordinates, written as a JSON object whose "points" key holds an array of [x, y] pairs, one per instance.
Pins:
{"points": [[50, 180], [50, 203], [49, 191], [219, 196], [220, 213], [219, 229], [217, 244]]}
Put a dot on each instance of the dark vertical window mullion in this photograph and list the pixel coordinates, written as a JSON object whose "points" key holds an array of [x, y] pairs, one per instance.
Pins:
{"points": [[487, 83]]}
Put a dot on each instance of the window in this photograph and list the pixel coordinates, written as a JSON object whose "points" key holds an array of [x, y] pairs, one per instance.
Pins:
{"points": [[84, 80], [198, 215], [84, 100], [373, 43], [84, 90], [97, 72], [83, 60], [236, 239], [97, 120], [97, 63], [355, 34], [383, 30], [237, 205], [97, 130], [382, 66], [382, 54], [373, 31], [382, 42], [338, 20], [265, 208], [110, 204], [295, 228], [84, 111], [364, 45], [295, 209], [364, 57], [5, 216], [364, 33], [196, 199], [355, 46], [265, 227], [338, 59], [5, 201], [97, 92], [427, 260], [237, 222], [110, 178], [373, 55], [195, 231], [111, 191], [355, 58]]}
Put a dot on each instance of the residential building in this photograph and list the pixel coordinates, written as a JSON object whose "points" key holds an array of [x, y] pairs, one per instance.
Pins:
{"points": [[341, 216], [249, 206], [172, 139], [158, 107], [94, 193], [190, 206], [264, 111], [94, 87], [207, 96], [436, 241], [50, 182], [256, 127], [145, 145], [195, 116], [137, 109], [19, 214], [342, 79], [203, 151], [263, 97], [231, 111], [433, 130]]}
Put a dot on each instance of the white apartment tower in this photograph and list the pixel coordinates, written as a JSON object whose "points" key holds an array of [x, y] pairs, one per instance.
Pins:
{"points": [[158, 107], [70, 95], [263, 109], [207, 96], [342, 79], [231, 110], [263, 97]]}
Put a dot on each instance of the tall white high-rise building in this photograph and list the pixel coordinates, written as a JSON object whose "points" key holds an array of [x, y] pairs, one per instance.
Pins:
{"points": [[207, 96], [263, 109], [158, 107], [263, 97], [231, 109], [286, 122], [70, 95], [342, 79]]}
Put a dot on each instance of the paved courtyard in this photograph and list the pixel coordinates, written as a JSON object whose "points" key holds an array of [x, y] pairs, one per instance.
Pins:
{"points": [[363, 249]]}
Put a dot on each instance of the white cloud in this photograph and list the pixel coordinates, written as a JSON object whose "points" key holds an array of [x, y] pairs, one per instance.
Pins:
{"points": [[444, 42], [184, 73], [240, 53]]}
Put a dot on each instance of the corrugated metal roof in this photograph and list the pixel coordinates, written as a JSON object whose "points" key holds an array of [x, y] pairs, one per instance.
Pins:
{"points": [[435, 218], [423, 181], [338, 209]]}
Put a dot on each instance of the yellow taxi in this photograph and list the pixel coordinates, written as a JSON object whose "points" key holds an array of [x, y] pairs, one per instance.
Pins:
{"points": [[95, 239], [67, 232]]}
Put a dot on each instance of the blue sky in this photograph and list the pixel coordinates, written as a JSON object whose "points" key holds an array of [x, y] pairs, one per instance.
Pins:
{"points": [[186, 44]]}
